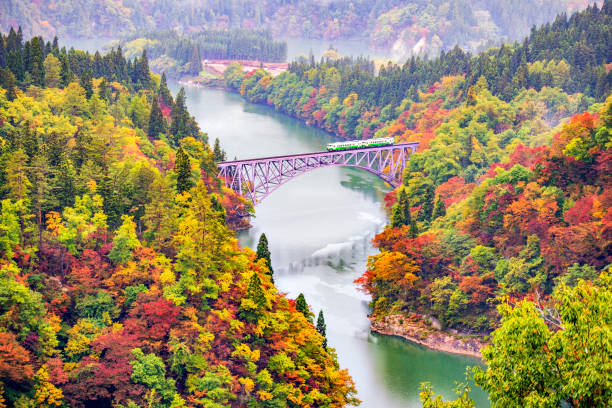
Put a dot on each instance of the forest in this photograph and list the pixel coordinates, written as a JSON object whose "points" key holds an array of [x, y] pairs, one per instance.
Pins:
{"points": [[502, 227], [420, 26], [121, 281], [179, 55]]}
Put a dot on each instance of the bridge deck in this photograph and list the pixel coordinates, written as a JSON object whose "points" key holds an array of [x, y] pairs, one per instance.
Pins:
{"points": [[315, 154]]}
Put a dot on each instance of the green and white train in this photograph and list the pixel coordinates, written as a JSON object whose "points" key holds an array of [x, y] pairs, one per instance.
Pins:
{"points": [[360, 144]]}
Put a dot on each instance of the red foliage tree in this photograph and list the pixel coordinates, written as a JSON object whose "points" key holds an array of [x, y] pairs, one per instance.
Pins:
{"points": [[15, 366]]}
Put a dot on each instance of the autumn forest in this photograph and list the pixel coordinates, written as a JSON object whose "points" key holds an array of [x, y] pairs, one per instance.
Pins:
{"points": [[123, 282]]}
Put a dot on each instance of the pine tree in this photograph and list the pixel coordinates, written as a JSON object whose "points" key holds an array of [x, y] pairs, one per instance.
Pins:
{"points": [[14, 41], [397, 217], [218, 153], [36, 60], [414, 229], [164, 92], [65, 71], [55, 46], [15, 65], [264, 253], [302, 307], [256, 294], [404, 207], [142, 71], [195, 61], [110, 204], [183, 171], [87, 83], [104, 90], [322, 328], [157, 122], [439, 209], [428, 205], [3, 53], [41, 199], [179, 117], [7, 81]]}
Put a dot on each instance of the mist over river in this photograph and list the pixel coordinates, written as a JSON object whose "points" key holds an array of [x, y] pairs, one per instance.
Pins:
{"points": [[319, 227]]}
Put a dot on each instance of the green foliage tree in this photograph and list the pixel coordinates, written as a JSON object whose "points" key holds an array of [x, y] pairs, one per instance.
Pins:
{"points": [[264, 253], [218, 153], [164, 92], [552, 356], [322, 328], [302, 307], [439, 209], [150, 371], [125, 241], [179, 118], [86, 83], [183, 171], [157, 122], [8, 82], [52, 69]]}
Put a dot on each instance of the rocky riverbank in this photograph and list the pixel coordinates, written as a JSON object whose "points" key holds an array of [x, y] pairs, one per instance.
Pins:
{"points": [[398, 325]]}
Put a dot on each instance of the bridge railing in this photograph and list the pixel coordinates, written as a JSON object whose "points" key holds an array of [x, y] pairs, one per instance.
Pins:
{"points": [[257, 178]]}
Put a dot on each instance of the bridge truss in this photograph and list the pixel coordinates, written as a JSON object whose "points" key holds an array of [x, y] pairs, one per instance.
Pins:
{"points": [[255, 179]]}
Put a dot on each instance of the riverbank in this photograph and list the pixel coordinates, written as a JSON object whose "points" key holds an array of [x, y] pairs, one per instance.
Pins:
{"points": [[397, 325]]}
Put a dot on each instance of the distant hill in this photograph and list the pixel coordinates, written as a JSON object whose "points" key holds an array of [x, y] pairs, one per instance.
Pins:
{"points": [[414, 26]]}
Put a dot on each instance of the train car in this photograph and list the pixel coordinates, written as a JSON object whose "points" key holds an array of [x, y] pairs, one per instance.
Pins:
{"points": [[360, 144]]}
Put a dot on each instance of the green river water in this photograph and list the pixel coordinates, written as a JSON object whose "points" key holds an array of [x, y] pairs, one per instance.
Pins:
{"points": [[319, 227]]}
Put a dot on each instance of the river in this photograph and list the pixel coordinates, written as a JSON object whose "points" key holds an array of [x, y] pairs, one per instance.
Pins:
{"points": [[319, 227]]}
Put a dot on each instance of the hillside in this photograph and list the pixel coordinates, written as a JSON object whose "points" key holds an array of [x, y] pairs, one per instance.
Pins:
{"points": [[121, 283], [473, 114], [502, 228], [406, 26]]}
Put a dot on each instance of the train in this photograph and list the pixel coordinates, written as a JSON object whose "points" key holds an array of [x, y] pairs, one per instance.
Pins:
{"points": [[360, 144]]}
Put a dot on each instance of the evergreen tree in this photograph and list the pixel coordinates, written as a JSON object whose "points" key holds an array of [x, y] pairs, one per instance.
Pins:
{"points": [[218, 153], [164, 92], [179, 117], [428, 205], [86, 83], [42, 201], [322, 328], [7, 81], [439, 209], [111, 203], [14, 41], [195, 62], [55, 46], [183, 171], [15, 65], [302, 307], [264, 253], [104, 91], [397, 217], [3, 53], [157, 122], [255, 294], [404, 207], [35, 63], [142, 73], [64, 188], [65, 71], [414, 229]]}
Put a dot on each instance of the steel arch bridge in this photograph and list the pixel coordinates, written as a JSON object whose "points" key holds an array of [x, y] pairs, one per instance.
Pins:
{"points": [[256, 179]]}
